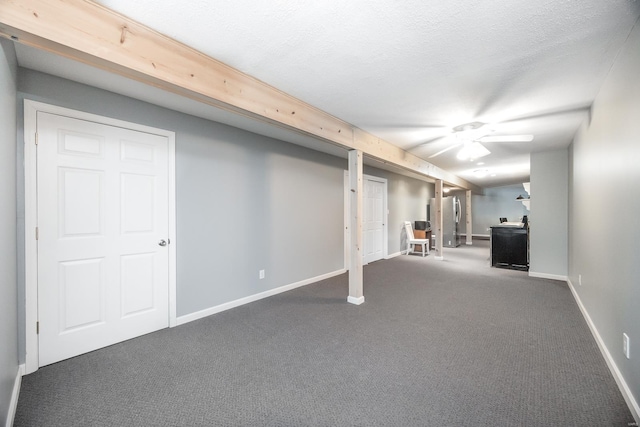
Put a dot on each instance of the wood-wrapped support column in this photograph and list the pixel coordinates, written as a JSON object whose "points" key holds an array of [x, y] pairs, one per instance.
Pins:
{"points": [[438, 220], [469, 218], [356, 203]]}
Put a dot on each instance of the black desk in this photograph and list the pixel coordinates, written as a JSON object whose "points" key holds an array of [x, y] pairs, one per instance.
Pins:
{"points": [[510, 247]]}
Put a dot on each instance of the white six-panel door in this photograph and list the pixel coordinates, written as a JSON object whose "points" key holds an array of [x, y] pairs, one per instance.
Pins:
{"points": [[102, 212], [373, 226]]}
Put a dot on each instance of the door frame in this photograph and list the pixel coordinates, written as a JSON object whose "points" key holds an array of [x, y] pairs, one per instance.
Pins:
{"points": [[347, 209], [31, 108]]}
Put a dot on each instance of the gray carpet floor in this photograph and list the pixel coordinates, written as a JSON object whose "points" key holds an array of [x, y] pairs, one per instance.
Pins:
{"points": [[437, 343]]}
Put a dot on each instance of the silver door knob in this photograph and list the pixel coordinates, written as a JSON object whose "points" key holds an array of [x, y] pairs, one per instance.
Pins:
{"points": [[162, 242]]}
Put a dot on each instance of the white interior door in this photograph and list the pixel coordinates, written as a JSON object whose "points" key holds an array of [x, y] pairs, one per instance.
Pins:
{"points": [[102, 213], [373, 220]]}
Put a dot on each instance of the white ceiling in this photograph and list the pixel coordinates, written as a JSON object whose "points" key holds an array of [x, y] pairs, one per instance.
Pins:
{"points": [[410, 71]]}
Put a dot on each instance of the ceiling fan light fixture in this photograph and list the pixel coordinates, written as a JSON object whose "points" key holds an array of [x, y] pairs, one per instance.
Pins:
{"points": [[472, 150], [468, 126]]}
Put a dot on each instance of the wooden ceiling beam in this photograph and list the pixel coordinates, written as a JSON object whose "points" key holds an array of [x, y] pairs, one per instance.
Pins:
{"points": [[90, 33]]}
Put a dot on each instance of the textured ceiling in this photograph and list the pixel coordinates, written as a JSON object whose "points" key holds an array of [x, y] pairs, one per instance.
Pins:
{"points": [[410, 71]]}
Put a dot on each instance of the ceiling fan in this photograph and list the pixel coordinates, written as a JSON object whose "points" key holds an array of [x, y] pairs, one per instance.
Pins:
{"points": [[470, 137]]}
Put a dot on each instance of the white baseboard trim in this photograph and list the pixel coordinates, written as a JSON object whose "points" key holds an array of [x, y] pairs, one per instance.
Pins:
{"points": [[354, 300], [395, 254], [181, 320], [617, 375], [13, 405], [469, 243], [548, 276]]}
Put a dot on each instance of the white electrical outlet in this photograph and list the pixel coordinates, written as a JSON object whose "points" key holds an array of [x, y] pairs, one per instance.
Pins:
{"points": [[261, 274], [580, 279], [625, 345]]}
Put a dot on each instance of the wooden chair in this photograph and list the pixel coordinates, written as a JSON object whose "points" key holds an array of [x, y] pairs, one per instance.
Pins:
{"points": [[411, 240]]}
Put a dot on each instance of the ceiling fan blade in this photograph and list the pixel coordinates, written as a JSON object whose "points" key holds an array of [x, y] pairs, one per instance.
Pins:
{"points": [[585, 108], [506, 138], [451, 147], [422, 144], [412, 126]]}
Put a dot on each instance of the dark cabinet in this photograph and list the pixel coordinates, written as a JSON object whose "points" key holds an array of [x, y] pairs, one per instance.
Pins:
{"points": [[510, 247]]}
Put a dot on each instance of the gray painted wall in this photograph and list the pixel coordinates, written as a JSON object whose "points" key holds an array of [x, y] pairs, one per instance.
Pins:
{"points": [[8, 298], [603, 211], [548, 241], [244, 202], [488, 208]]}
